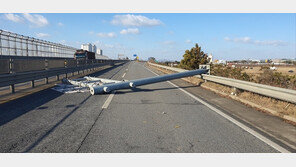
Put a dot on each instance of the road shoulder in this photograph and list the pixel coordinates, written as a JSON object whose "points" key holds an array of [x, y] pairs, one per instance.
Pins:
{"points": [[270, 126]]}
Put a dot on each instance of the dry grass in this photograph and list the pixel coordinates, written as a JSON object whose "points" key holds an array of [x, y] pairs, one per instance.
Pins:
{"points": [[278, 106], [283, 69], [282, 107]]}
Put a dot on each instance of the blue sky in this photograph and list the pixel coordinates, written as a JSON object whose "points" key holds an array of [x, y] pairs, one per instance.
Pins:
{"points": [[165, 36]]}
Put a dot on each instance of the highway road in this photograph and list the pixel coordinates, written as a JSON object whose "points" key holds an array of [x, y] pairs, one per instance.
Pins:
{"points": [[154, 118]]}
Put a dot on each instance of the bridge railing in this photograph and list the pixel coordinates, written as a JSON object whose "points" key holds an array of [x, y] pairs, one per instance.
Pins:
{"points": [[20, 71], [266, 90]]}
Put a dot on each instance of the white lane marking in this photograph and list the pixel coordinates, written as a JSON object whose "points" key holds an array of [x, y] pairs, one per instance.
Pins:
{"points": [[244, 127], [108, 101], [123, 75]]}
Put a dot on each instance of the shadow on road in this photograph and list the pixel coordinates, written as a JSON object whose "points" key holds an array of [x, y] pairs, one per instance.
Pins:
{"points": [[15, 108], [55, 126], [133, 90], [18, 107]]}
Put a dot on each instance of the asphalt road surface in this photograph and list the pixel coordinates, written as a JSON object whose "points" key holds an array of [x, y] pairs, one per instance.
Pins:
{"points": [[152, 118]]}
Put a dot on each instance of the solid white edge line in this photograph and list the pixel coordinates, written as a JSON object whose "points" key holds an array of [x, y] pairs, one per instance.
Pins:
{"points": [[244, 127], [123, 75], [108, 101]]}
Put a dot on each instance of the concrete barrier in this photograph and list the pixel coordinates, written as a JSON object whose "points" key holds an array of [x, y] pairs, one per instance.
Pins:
{"points": [[71, 63], [4, 66], [20, 65], [56, 63]]}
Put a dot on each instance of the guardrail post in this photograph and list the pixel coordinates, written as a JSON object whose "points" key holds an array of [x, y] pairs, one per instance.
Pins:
{"points": [[65, 63], [12, 88], [46, 64], [58, 77], [201, 77], [46, 80], [65, 66], [11, 66], [234, 91], [32, 84]]}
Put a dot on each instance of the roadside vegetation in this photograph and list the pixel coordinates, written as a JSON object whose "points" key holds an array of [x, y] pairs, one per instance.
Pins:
{"points": [[267, 77], [195, 56]]}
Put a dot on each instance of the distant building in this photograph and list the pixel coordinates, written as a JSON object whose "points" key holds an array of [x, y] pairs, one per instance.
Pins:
{"points": [[120, 56], [89, 47], [210, 58], [255, 61], [94, 48], [277, 60], [98, 56], [220, 61], [99, 51]]}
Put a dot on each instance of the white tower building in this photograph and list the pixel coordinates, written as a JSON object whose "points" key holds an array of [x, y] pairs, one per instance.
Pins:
{"points": [[99, 51], [87, 47], [94, 48], [210, 57]]}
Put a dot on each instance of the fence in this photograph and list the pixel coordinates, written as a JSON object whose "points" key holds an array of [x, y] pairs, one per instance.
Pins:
{"points": [[12, 44]]}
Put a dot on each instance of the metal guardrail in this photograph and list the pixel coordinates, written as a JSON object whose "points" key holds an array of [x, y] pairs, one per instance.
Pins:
{"points": [[266, 90], [15, 78]]}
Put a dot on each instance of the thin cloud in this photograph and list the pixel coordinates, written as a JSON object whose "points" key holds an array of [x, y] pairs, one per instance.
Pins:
{"points": [[106, 35], [130, 31], [109, 46], [60, 24], [168, 42], [13, 17], [113, 46], [36, 20], [248, 40], [42, 35], [188, 41], [134, 20]]}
